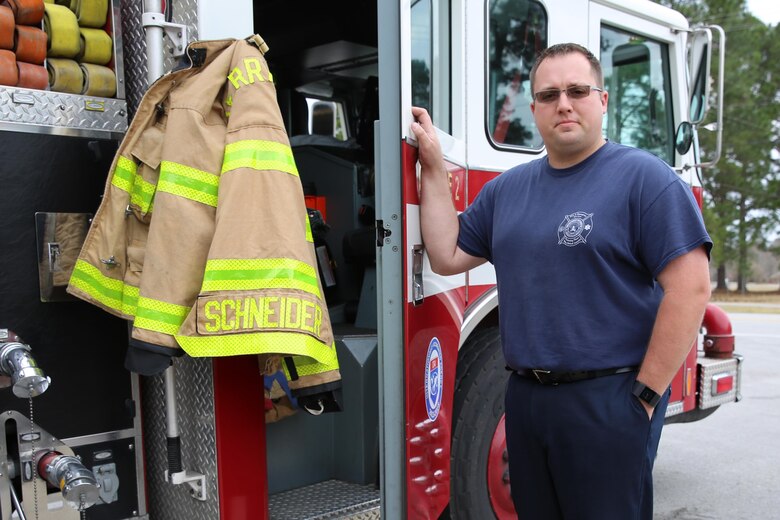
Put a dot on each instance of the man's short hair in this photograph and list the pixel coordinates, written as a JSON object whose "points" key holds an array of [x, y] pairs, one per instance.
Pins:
{"points": [[562, 49]]}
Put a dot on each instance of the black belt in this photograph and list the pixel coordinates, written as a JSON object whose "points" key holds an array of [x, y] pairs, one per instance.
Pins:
{"points": [[546, 377]]}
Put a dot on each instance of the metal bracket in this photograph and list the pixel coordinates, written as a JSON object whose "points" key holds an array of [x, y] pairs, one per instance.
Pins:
{"points": [[176, 32], [196, 481]]}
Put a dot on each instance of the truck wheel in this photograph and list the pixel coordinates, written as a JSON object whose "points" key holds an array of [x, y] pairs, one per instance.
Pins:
{"points": [[480, 474]]}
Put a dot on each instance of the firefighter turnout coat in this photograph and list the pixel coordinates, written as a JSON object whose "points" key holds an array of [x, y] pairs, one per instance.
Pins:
{"points": [[202, 238]]}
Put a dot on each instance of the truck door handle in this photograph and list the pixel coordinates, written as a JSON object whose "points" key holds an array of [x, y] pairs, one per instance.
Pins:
{"points": [[418, 294]]}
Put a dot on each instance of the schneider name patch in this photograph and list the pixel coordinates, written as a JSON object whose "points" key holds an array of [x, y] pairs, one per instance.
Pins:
{"points": [[244, 314]]}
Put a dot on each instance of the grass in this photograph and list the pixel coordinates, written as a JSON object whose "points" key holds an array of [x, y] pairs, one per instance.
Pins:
{"points": [[761, 301]]}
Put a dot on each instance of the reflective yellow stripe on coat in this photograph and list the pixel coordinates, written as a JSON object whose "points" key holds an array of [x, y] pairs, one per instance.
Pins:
{"points": [[112, 293], [159, 316]]}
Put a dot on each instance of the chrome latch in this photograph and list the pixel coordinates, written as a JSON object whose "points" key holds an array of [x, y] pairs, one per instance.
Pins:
{"points": [[418, 294]]}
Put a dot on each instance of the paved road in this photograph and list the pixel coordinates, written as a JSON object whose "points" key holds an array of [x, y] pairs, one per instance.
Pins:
{"points": [[727, 467]]}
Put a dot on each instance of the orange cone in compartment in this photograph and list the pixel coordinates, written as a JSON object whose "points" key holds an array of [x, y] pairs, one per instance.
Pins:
{"points": [[9, 74]]}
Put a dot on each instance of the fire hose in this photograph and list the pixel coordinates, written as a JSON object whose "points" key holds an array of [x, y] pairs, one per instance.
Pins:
{"points": [[96, 46], [32, 76], [65, 75], [27, 12], [30, 44], [9, 73], [90, 13], [98, 80], [7, 25], [62, 28]]}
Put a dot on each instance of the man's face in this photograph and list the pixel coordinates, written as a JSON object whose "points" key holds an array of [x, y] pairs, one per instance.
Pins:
{"points": [[570, 128]]}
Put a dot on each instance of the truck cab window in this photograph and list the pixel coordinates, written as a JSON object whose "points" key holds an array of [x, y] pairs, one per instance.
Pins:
{"points": [[422, 55], [517, 33], [636, 75]]}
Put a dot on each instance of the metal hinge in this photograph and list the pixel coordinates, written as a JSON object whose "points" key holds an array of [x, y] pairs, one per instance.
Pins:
{"points": [[382, 233]]}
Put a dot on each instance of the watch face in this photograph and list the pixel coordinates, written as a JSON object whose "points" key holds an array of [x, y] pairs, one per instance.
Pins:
{"points": [[646, 394]]}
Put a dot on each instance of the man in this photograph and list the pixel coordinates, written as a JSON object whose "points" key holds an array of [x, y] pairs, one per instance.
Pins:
{"points": [[601, 261]]}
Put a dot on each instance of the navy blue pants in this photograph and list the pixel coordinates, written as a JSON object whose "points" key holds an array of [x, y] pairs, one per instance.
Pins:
{"points": [[581, 450]]}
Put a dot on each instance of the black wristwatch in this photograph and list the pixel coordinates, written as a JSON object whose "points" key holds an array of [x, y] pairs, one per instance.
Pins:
{"points": [[646, 394]]}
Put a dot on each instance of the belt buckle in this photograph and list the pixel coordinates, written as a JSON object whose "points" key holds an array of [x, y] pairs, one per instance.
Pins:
{"points": [[540, 376]]}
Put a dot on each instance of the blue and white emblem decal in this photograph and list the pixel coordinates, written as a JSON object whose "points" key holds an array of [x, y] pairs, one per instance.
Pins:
{"points": [[575, 228], [434, 379]]}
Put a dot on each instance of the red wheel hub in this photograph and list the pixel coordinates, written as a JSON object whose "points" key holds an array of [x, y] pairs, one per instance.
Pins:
{"points": [[498, 475]]}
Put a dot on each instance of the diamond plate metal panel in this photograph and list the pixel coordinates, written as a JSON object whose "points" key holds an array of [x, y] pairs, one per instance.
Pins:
{"points": [[42, 111], [329, 500], [674, 409], [195, 408], [183, 12], [711, 367], [134, 53]]}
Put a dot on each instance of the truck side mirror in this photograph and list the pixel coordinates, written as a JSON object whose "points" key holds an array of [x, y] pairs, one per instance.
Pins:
{"points": [[683, 139]]}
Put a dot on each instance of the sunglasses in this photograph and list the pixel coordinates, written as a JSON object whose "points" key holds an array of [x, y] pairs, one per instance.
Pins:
{"points": [[574, 92]]}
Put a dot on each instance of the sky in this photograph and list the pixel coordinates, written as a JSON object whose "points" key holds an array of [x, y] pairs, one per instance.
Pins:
{"points": [[767, 11]]}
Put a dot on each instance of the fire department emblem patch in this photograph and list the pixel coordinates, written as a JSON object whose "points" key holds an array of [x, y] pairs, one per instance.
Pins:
{"points": [[434, 379], [575, 229]]}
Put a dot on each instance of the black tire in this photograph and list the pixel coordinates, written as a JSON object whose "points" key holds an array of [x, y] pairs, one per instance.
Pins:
{"points": [[478, 407]]}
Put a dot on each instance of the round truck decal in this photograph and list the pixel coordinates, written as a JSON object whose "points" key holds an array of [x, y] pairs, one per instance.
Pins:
{"points": [[434, 379]]}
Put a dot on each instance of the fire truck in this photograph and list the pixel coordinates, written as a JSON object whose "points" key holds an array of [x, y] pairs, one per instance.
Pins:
{"points": [[421, 433]]}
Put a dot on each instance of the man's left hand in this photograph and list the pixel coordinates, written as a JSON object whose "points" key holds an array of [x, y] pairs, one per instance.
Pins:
{"points": [[649, 409]]}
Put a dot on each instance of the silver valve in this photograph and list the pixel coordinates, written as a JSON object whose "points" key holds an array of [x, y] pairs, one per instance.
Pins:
{"points": [[78, 485], [16, 362]]}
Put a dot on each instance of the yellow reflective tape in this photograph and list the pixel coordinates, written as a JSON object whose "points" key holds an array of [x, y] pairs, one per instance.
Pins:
{"points": [[259, 343], [160, 316], [306, 366], [124, 174], [259, 155], [143, 194], [190, 183], [309, 236], [113, 293], [261, 273]]}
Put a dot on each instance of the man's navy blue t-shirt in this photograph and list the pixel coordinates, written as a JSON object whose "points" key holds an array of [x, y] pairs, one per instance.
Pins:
{"points": [[577, 252]]}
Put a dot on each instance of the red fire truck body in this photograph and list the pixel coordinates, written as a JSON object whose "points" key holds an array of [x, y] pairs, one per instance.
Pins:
{"points": [[421, 435]]}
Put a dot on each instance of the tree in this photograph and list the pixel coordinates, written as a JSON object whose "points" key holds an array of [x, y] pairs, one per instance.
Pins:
{"points": [[741, 191]]}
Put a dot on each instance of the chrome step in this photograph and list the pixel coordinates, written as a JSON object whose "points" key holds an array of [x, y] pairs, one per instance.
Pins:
{"points": [[328, 500]]}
